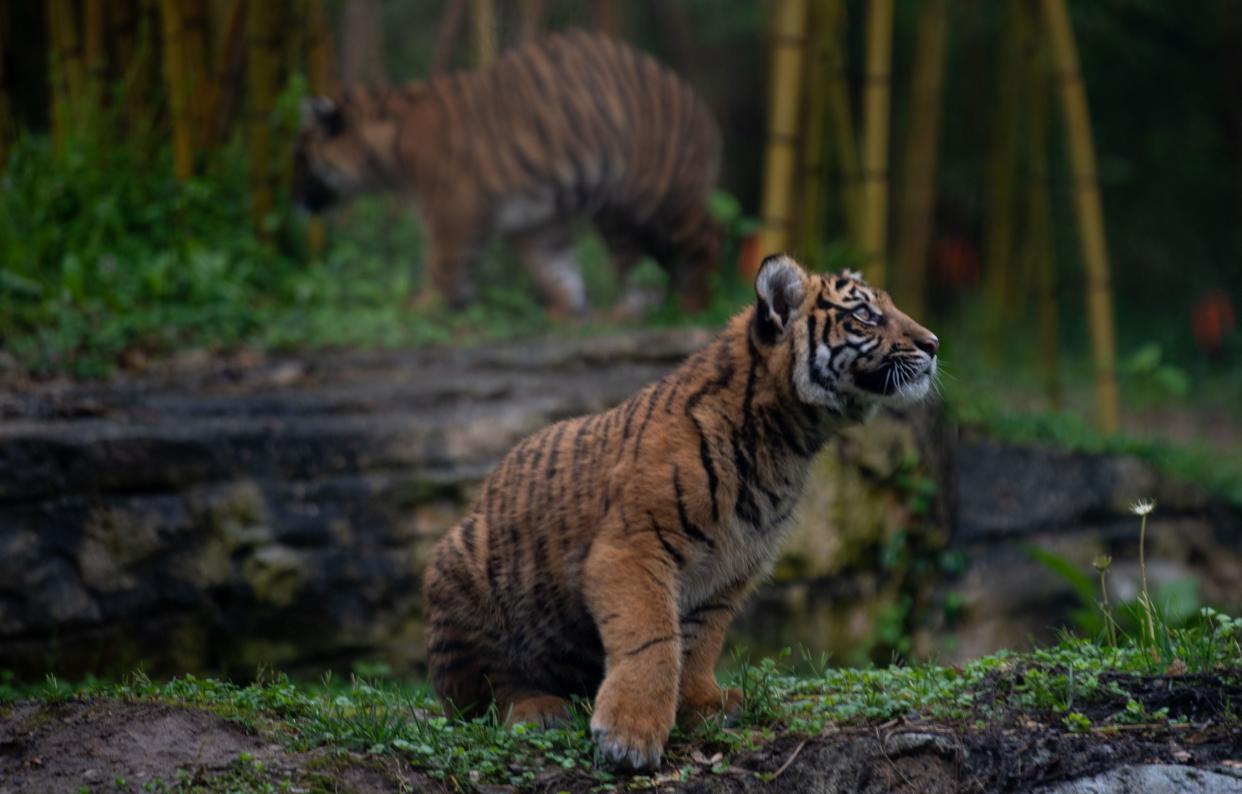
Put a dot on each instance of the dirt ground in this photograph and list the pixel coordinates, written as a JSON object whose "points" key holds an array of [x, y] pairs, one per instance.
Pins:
{"points": [[108, 745]]}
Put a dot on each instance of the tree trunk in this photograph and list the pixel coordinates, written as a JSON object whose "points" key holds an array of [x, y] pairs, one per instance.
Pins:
{"points": [[362, 51], [263, 68], [918, 196], [483, 17], [876, 99], [1089, 210], [780, 157]]}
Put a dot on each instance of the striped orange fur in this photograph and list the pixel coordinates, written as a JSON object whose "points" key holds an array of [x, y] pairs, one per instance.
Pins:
{"points": [[607, 554], [575, 125]]}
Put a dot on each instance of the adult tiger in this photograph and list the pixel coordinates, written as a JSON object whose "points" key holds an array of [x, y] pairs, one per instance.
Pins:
{"points": [[577, 124], [607, 554]]}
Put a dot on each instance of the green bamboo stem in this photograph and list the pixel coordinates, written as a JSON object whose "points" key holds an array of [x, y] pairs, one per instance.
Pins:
{"points": [[918, 194], [876, 98], [1090, 212], [780, 154]]}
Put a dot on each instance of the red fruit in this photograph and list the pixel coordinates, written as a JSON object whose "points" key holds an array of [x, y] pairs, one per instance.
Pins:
{"points": [[1211, 320]]}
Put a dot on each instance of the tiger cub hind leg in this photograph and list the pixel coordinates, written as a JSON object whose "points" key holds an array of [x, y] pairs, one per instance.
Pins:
{"points": [[538, 708], [462, 659]]}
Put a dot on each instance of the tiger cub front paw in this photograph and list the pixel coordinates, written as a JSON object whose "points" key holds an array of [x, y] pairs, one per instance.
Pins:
{"points": [[629, 732]]}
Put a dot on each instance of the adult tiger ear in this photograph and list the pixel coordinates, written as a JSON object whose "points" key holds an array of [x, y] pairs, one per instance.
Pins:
{"points": [[323, 112], [780, 287]]}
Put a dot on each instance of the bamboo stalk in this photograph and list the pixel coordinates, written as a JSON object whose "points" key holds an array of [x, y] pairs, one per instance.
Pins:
{"points": [[136, 31], [362, 48], [198, 75], [447, 32], [228, 58], [780, 156], [1090, 212], [178, 89], [843, 144], [1038, 244], [819, 65], [321, 51], [263, 67], [322, 79], [1002, 167], [918, 196], [606, 17], [122, 36], [532, 20], [7, 130], [483, 15], [65, 66], [95, 33], [877, 84]]}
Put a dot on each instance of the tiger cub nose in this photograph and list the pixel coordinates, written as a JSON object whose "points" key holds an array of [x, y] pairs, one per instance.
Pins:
{"points": [[929, 344]]}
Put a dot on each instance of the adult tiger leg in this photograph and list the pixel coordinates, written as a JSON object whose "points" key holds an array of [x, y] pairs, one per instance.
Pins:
{"points": [[547, 251], [634, 603], [686, 240], [454, 240], [625, 246]]}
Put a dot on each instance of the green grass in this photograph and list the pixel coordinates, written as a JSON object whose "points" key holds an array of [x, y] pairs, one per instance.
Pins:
{"points": [[389, 719]]}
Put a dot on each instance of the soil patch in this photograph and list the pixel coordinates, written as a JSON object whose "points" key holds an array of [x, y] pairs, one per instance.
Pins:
{"points": [[109, 745]]}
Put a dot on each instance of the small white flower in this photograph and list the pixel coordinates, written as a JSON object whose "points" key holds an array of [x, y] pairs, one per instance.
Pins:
{"points": [[1143, 506]]}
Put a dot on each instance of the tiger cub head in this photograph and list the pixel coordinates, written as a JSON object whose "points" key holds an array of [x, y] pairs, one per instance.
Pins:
{"points": [[343, 149], [850, 349]]}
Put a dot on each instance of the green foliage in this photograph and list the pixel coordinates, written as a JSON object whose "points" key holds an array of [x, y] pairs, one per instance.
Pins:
{"points": [[102, 251], [1191, 462], [1147, 371]]}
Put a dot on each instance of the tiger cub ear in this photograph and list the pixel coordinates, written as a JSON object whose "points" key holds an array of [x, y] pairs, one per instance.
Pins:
{"points": [[780, 287]]}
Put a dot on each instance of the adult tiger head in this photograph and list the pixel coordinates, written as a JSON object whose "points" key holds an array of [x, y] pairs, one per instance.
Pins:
{"points": [[347, 146], [849, 347]]}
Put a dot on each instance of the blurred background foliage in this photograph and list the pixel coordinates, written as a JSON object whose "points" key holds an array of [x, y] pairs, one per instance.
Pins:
{"points": [[116, 247]]}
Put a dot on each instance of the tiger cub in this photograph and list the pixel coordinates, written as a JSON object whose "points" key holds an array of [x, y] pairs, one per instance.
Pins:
{"points": [[575, 125], [607, 554]]}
